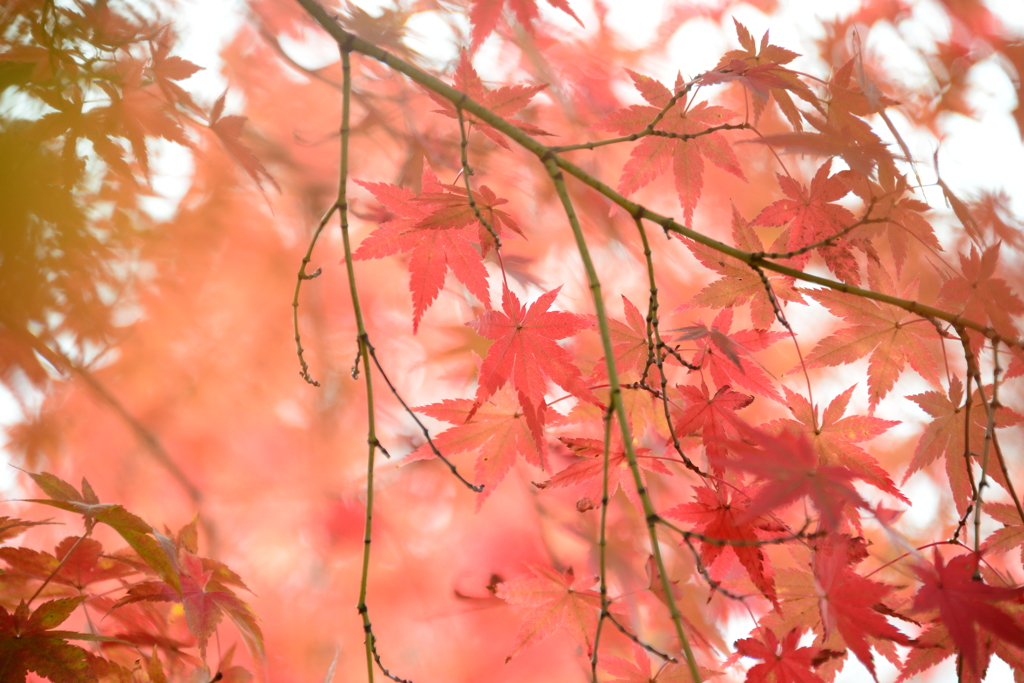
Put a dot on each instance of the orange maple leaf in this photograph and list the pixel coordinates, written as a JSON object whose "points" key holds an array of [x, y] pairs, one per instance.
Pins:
{"points": [[739, 282], [653, 155], [979, 295], [497, 427], [892, 336], [944, 437], [555, 600], [835, 437], [589, 471], [503, 101], [629, 342], [761, 72]]}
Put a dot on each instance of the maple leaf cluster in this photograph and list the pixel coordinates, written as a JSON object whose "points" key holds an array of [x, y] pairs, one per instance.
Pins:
{"points": [[80, 577], [754, 479], [608, 436]]}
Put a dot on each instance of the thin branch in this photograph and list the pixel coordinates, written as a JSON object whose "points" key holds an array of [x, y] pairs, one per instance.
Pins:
{"points": [[426, 433], [362, 340], [730, 543], [302, 276], [629, 634], [602, 542], [349, 41], [615, 395], [650, 132], [467, 171], [655, 346], [781, 317]]}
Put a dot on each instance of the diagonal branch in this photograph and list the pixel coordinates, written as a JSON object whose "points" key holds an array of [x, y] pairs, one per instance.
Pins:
{"points": [[146, 437], [349, 41]]}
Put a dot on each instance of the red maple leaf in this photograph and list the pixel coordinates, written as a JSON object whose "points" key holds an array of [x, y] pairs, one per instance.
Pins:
{"points": [[721, 513], [784, 662], [847, 603], [555, 600], [503, 101], [526, 354], [485, 15], [653, 155], [835, 437], [589, 472], [981, 297], [810, 216], [1011, 535], [791, 470], [721, 352], [204, 598], [86, 565], [892, 336], [167, 69], [842, 132], [964, 603], [228, 130], [739, 283], [761, 72], [713, 416], [944, 437], [497, 427], [439, 227]]}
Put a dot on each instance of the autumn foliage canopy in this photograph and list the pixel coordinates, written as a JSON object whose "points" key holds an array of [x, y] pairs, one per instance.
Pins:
{"points": [[473, 341]]}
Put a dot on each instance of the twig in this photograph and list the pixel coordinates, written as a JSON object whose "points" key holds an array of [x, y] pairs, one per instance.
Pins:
{"points": [[426, 433], [655, 346], [304, 368], [650, 648], [467, 171]]}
